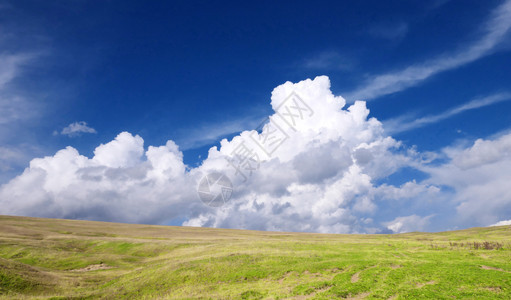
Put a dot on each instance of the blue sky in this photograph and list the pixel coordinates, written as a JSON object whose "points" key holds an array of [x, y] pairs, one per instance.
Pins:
{"points": [[436, 74]]}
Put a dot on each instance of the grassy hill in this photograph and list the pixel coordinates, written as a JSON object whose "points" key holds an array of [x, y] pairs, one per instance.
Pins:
{"points": [[64, 259]]}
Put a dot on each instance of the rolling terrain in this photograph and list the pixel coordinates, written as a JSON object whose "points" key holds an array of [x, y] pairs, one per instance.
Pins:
{"points": [[66, 259]]}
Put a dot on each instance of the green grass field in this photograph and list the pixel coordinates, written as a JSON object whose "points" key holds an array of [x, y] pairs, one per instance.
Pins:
{"points": [[64, 259]]}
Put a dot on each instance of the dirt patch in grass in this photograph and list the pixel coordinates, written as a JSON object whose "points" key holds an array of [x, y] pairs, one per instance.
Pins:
{"points": [[359, 296], [495, 289], [422, 284], [281, 280], [303, 297], [93, 268], [494, 269], [313, 274], [356, 276]]}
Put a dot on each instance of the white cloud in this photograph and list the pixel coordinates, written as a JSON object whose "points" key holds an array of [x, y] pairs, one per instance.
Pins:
{"points": [[77, 128], [114, 185], [403, 123], [483, 152], [325, 177], [124, 151], [312, 182], [408, 190], [495, 31], [408, 224], [502, 223], [479, 177]]}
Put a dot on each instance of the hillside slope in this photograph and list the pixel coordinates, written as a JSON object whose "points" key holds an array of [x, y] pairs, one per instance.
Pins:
{"points": [[44, 258]]}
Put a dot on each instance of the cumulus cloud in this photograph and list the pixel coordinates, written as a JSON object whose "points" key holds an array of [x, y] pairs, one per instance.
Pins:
{"points": [[495, 31], [315, 179], [312, 182], [479, 177], [408, 224], [76, 129], [502, 223], [320, 170], [116, 184]]}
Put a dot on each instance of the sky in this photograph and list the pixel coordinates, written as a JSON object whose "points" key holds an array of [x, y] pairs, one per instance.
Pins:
{"points": [[387, 116]]}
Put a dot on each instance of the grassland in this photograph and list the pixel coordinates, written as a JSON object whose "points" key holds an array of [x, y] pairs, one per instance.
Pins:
{"points": [[64, 259]]}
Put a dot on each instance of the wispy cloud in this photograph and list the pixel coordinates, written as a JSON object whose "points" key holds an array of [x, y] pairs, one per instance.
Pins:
{"points": [[17, 108], [404, 123], [390, 31], [213, 132], [7, 156], [76, 129], [14, 158], [12, 105], [329, 60], [436, 4], [495, 31], [13, 108], [10, 66]]}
